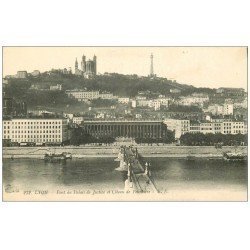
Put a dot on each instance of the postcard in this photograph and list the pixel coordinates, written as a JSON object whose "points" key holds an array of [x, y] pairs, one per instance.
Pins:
{"points": [[124, 124]]}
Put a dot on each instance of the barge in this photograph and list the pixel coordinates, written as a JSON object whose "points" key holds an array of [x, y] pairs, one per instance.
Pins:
{"points": [[234, 156], [57, 157]]}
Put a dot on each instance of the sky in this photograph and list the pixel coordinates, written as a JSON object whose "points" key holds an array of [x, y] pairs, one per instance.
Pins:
{"points": [[211, 67]]}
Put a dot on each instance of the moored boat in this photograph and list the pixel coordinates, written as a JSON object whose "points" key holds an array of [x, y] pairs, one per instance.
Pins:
{"points": [[229, 156], [54, 157], [67, 155]]}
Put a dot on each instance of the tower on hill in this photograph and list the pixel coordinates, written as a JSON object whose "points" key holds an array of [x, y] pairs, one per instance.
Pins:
{"points": [[152, 75]]}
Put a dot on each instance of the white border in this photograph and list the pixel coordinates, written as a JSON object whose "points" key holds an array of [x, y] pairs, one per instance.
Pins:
{"points": [[124, 225]]}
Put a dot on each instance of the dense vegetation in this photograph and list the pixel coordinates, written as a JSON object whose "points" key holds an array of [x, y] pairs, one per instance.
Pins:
{"points": [[169, 138], [21, 92], [200, 139], [102, 103], [181, 108], [118, 84]]}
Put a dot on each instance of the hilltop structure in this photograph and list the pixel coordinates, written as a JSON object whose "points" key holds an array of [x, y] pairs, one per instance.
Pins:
{"points": [[88, 68], [152, 75]]}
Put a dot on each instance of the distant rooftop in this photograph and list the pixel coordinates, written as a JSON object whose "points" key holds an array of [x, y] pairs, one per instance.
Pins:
{"points": [[35, 118]]}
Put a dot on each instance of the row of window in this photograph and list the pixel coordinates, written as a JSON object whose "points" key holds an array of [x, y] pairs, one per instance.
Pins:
{"points": [[37, 140], [32, 132], [31, 127], [234, 132], [230, 123], [40, 122], [35, 136]]}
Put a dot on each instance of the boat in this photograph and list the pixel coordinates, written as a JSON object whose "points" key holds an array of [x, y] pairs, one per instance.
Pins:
{"points": [[54, 157], [67, 155], [229, 156]]}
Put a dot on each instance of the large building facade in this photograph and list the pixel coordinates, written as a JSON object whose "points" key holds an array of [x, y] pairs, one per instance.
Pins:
{"points": [[82, 95], [85, 95], [49, 130], [129, 129], [223, 126]]}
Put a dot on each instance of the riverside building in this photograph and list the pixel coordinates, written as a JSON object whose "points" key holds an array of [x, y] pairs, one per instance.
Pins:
{"points": [[215, 126], [126, 128], [179, 126], [36, 130]]}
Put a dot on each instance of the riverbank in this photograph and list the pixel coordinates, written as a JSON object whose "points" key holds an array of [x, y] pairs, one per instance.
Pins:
{"points": [[168, 151]]}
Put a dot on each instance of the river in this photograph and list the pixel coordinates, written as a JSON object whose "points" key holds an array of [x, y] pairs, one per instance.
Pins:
{"points": [[179, 179]]}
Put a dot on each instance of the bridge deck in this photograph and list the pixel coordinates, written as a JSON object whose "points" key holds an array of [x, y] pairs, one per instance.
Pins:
{"points": [[142, 181]]}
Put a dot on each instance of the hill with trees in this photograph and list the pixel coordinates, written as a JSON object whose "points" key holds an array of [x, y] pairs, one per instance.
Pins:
{"points": [[35, 90]]}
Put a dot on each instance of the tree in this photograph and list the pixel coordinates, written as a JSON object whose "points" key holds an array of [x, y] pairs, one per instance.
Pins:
{"points": [[76, 137], [199, 139]]}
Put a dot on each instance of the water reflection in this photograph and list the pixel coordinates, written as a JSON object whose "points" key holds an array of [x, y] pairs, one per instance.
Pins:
{"points": [[100, 173]]}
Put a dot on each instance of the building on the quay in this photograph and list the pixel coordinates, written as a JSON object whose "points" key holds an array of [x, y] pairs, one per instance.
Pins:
{"points": [[213, 126], [233, 127], [179, 126], [223, 127], [88, 68], [126, 128], [35, 130]]}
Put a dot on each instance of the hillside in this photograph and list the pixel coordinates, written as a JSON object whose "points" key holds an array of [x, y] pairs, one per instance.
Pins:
{"points": [[120, 85]]}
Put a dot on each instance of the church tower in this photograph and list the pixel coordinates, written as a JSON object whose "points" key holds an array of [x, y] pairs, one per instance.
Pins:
{"points": [[83, 63], [76, 66], [95, 66]]}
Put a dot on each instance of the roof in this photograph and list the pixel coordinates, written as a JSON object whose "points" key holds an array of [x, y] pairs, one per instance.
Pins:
{"points": [[35, 118]]}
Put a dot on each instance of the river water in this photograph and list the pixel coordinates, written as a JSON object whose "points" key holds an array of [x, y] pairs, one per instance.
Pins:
{"points": [[180, 179]]}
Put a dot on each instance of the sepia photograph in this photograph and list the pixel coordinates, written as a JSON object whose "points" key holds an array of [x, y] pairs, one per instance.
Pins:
{"points": [[124, 123]]}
